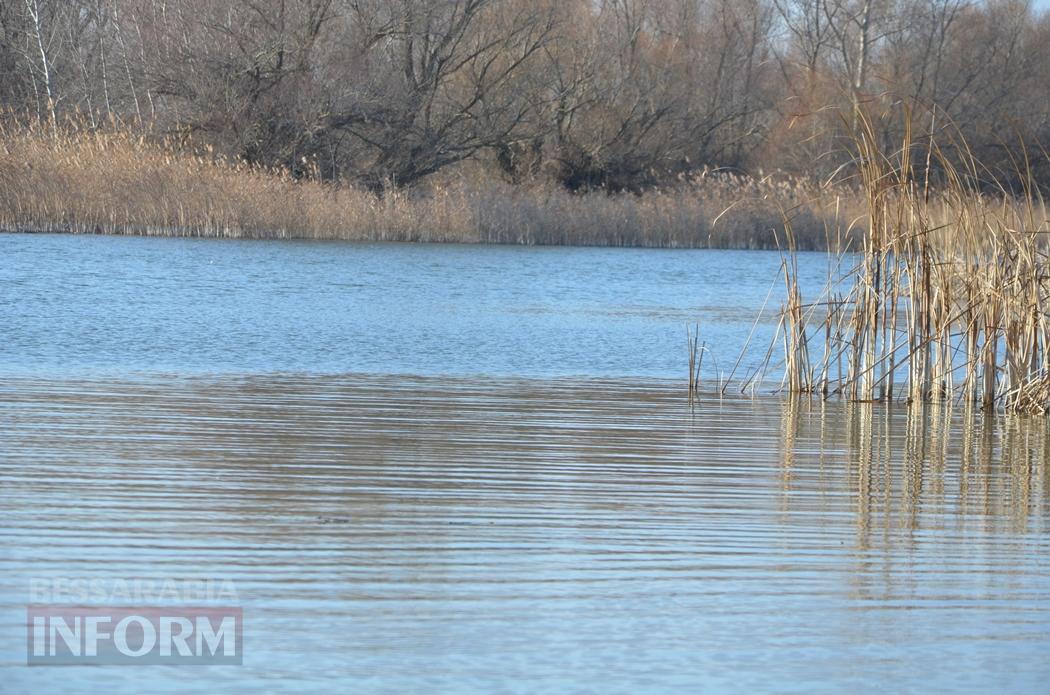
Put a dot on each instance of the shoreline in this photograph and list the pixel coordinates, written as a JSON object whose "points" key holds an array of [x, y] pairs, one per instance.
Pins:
{"points": [[120, 183], [192, 234]]}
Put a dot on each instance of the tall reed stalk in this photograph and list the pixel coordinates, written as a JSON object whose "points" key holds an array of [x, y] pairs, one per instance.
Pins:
{"points": [[950, 294]]}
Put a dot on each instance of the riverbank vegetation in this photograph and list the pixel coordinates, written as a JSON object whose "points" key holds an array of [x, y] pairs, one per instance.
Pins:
{"points": [[111, 180], [948, 298], [578, 95]]}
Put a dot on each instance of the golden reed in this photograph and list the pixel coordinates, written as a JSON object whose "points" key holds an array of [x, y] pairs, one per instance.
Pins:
{"points": [[948, 295], [115, 181]]}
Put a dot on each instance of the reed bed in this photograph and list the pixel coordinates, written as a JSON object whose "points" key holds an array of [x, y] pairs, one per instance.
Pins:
{"points": [[949, 299], [113, 181]]}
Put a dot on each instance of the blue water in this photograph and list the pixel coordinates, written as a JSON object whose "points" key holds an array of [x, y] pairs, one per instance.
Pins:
{"points": [[474, 469], [117, 305]]}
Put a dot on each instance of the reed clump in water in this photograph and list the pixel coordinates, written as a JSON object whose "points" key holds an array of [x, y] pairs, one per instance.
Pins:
{"points": [[78, 179], [950, 298]]}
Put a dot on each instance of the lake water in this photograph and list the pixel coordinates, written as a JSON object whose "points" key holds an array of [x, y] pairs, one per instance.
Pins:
{"points": [[111, 306], [474, 469]]}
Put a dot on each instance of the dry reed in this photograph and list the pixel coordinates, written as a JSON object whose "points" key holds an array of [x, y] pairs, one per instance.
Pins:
{"points": [[950, 299], [696, 361], [82, 180]]}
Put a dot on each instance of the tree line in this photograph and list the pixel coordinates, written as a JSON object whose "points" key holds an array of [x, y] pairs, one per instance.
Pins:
{"points": [[613, 94]]}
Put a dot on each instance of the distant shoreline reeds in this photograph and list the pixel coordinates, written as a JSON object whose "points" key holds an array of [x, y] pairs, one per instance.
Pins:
{"points": [[80, 180]]}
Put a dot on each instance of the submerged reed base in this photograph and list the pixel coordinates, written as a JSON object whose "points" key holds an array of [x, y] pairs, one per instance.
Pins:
{"points": [[949, 299]]}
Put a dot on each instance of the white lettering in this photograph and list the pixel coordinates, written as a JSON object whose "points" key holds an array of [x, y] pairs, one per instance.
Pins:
{"points": [[205, 634], [167, 637], [92, 635], [149, 636], [60, 628]]}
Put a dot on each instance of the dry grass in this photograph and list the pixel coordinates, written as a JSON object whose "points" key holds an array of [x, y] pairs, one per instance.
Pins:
{"points": [[950, 299], [116, 182]]}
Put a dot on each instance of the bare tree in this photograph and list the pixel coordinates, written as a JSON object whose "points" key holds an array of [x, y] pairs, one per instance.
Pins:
{"points": [[611, 94], [40, 38], [431, 83]]}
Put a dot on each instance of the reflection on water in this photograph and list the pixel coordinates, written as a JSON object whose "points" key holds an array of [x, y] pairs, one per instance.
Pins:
{"points": [[426, 534], [903, 459]]}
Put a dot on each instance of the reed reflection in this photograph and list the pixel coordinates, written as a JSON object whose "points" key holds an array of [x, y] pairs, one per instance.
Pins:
{"points": [[916, 467]]}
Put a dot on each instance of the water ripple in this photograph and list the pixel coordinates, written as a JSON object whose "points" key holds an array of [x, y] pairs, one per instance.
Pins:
{"points": [[406, 534]]}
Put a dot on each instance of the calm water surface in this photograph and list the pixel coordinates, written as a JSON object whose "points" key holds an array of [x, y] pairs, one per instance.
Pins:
{"points": [[110, 306], [469, 469]]}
